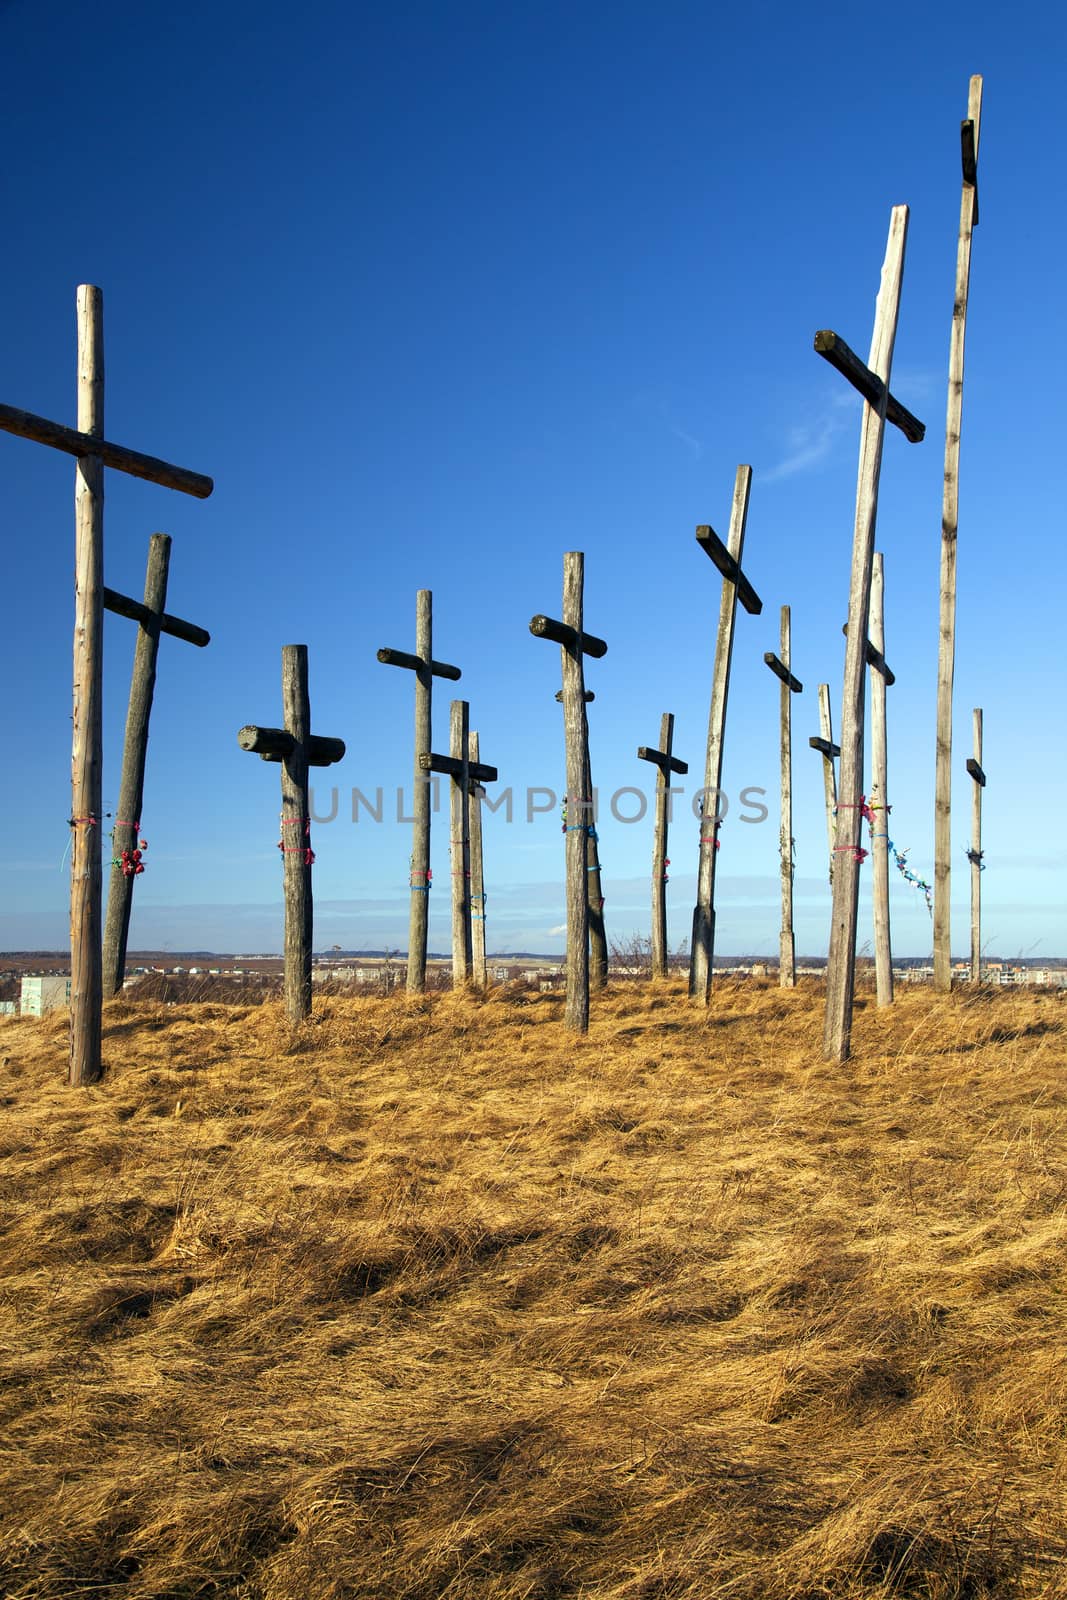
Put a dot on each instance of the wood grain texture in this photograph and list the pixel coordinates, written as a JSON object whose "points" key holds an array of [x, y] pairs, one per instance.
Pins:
{"points": [[479, 970], [296, 835], [974, 767], [825, 744], [578, 815], [83, 442], [879, 797], [787, 950], [123, 606], [460, 846]]}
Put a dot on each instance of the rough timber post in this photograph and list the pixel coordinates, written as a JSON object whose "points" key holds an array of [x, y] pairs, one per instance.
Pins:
{"points": [[780, 666], [879, 796], [598, 938], [829, 750], [840, 970], [459, 812], [946, 654], [666, 763], [479, 973], [153, 621], [974, 767], [735, 586]]}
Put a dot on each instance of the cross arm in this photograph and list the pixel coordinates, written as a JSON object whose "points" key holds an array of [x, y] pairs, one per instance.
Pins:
{"points": [[969, 160], [28, 426], [452, 767], [713, 546], [401, 658], [783, 672], [975, 771], [833, 349], [825, 747], [589, 695], [560, 633], [123, 606], [876, 659], [274, 744], [664, 762]]}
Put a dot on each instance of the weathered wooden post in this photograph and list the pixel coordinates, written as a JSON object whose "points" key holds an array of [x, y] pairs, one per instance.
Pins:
{"points": [[735, 586], [872, 381], [974, 854], [425, 669], [946, 654], [829, 751], [665, 763], [462, 773], [93, 452], [598, 938], [296, 748], [479, 972], [126, 864], [780, 666], [878, 800], [575, 644]]}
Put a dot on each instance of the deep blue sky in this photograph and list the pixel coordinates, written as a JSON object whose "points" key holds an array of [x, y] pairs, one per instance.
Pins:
{"points": [[439, 291]]}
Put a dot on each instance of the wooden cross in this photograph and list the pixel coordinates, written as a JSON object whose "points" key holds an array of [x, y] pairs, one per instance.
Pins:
{"points": [[463, 773], [598, 939], [479, 971], [878, 799], [575, 644], [974, 854], [93, 453], [425, 669], [780, 666], [872, 382], [126, 864], [829, 751], [735, 586], [950, 505], [665, 763], [296, 748]]}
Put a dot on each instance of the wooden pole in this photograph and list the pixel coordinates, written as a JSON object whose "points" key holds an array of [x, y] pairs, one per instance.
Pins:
{"points": [[840, 972], [659, 849], [419, 916], [879, 797], [598, 939], [579, 814], [296, 834], [976, 849], [86, 961], [134, 755], [829, 771], [946, 655], [702, 952], [787, 955], [458, 748], [479, 971]]}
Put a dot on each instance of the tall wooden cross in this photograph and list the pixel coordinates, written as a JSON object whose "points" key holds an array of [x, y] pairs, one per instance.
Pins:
{"points": [[463, 772], [296, 748], [126, 863], [665, 763], [575, 644], [974, 854], [872, 381], [829, 751], [598, 938], [93, 453], [735, 586], [946, 655], [878, 799], [780, 666], [426, 669]]}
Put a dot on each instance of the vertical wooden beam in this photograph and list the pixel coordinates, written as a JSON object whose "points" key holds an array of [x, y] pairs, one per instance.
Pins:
{"points": [[829, 771], [479, 973], [598, 939], [946, 655], [578, 817], [296, 834], [879, 797], [86, 962], [976, 857], [418, 921], [787, 951], [702, 951], [840, 972], [134, 756], [659, 849], [458, 749]]}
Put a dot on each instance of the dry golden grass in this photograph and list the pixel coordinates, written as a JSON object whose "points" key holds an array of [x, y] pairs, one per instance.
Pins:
{"points": [[433, 1299]]}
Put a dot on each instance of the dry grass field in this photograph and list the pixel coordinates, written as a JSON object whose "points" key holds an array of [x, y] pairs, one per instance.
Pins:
{"points": [[432, 1299]]}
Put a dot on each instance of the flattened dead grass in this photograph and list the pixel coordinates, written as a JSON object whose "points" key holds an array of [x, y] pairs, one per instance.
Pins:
{"points": [[433, 1299]]}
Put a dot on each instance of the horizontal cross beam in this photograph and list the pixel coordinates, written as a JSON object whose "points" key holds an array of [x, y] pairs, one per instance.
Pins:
{"points": [[560, 633], [28, 426], [833, 349], [274, 744], [782, 671], [659, 759], [975, 771], [875, 659], [713, 546], [452, 767], [401, 658], [969, 161], [825, 747], [589, 695], [123, 606]]}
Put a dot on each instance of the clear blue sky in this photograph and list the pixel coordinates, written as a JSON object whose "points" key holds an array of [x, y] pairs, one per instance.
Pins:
{"points": [[437, 291]]}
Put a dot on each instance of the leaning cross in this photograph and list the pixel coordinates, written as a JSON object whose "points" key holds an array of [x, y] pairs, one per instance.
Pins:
{"points": [[974, 854], [780, 666], [665, 763], [127, 863], [575, 645], [296, 748], [93, 453], [459, 767], [425, 669], [872, 381], [735, 586]]}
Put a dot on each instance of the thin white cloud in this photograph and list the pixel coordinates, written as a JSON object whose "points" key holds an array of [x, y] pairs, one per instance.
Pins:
{"points": [[808, 444]]}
